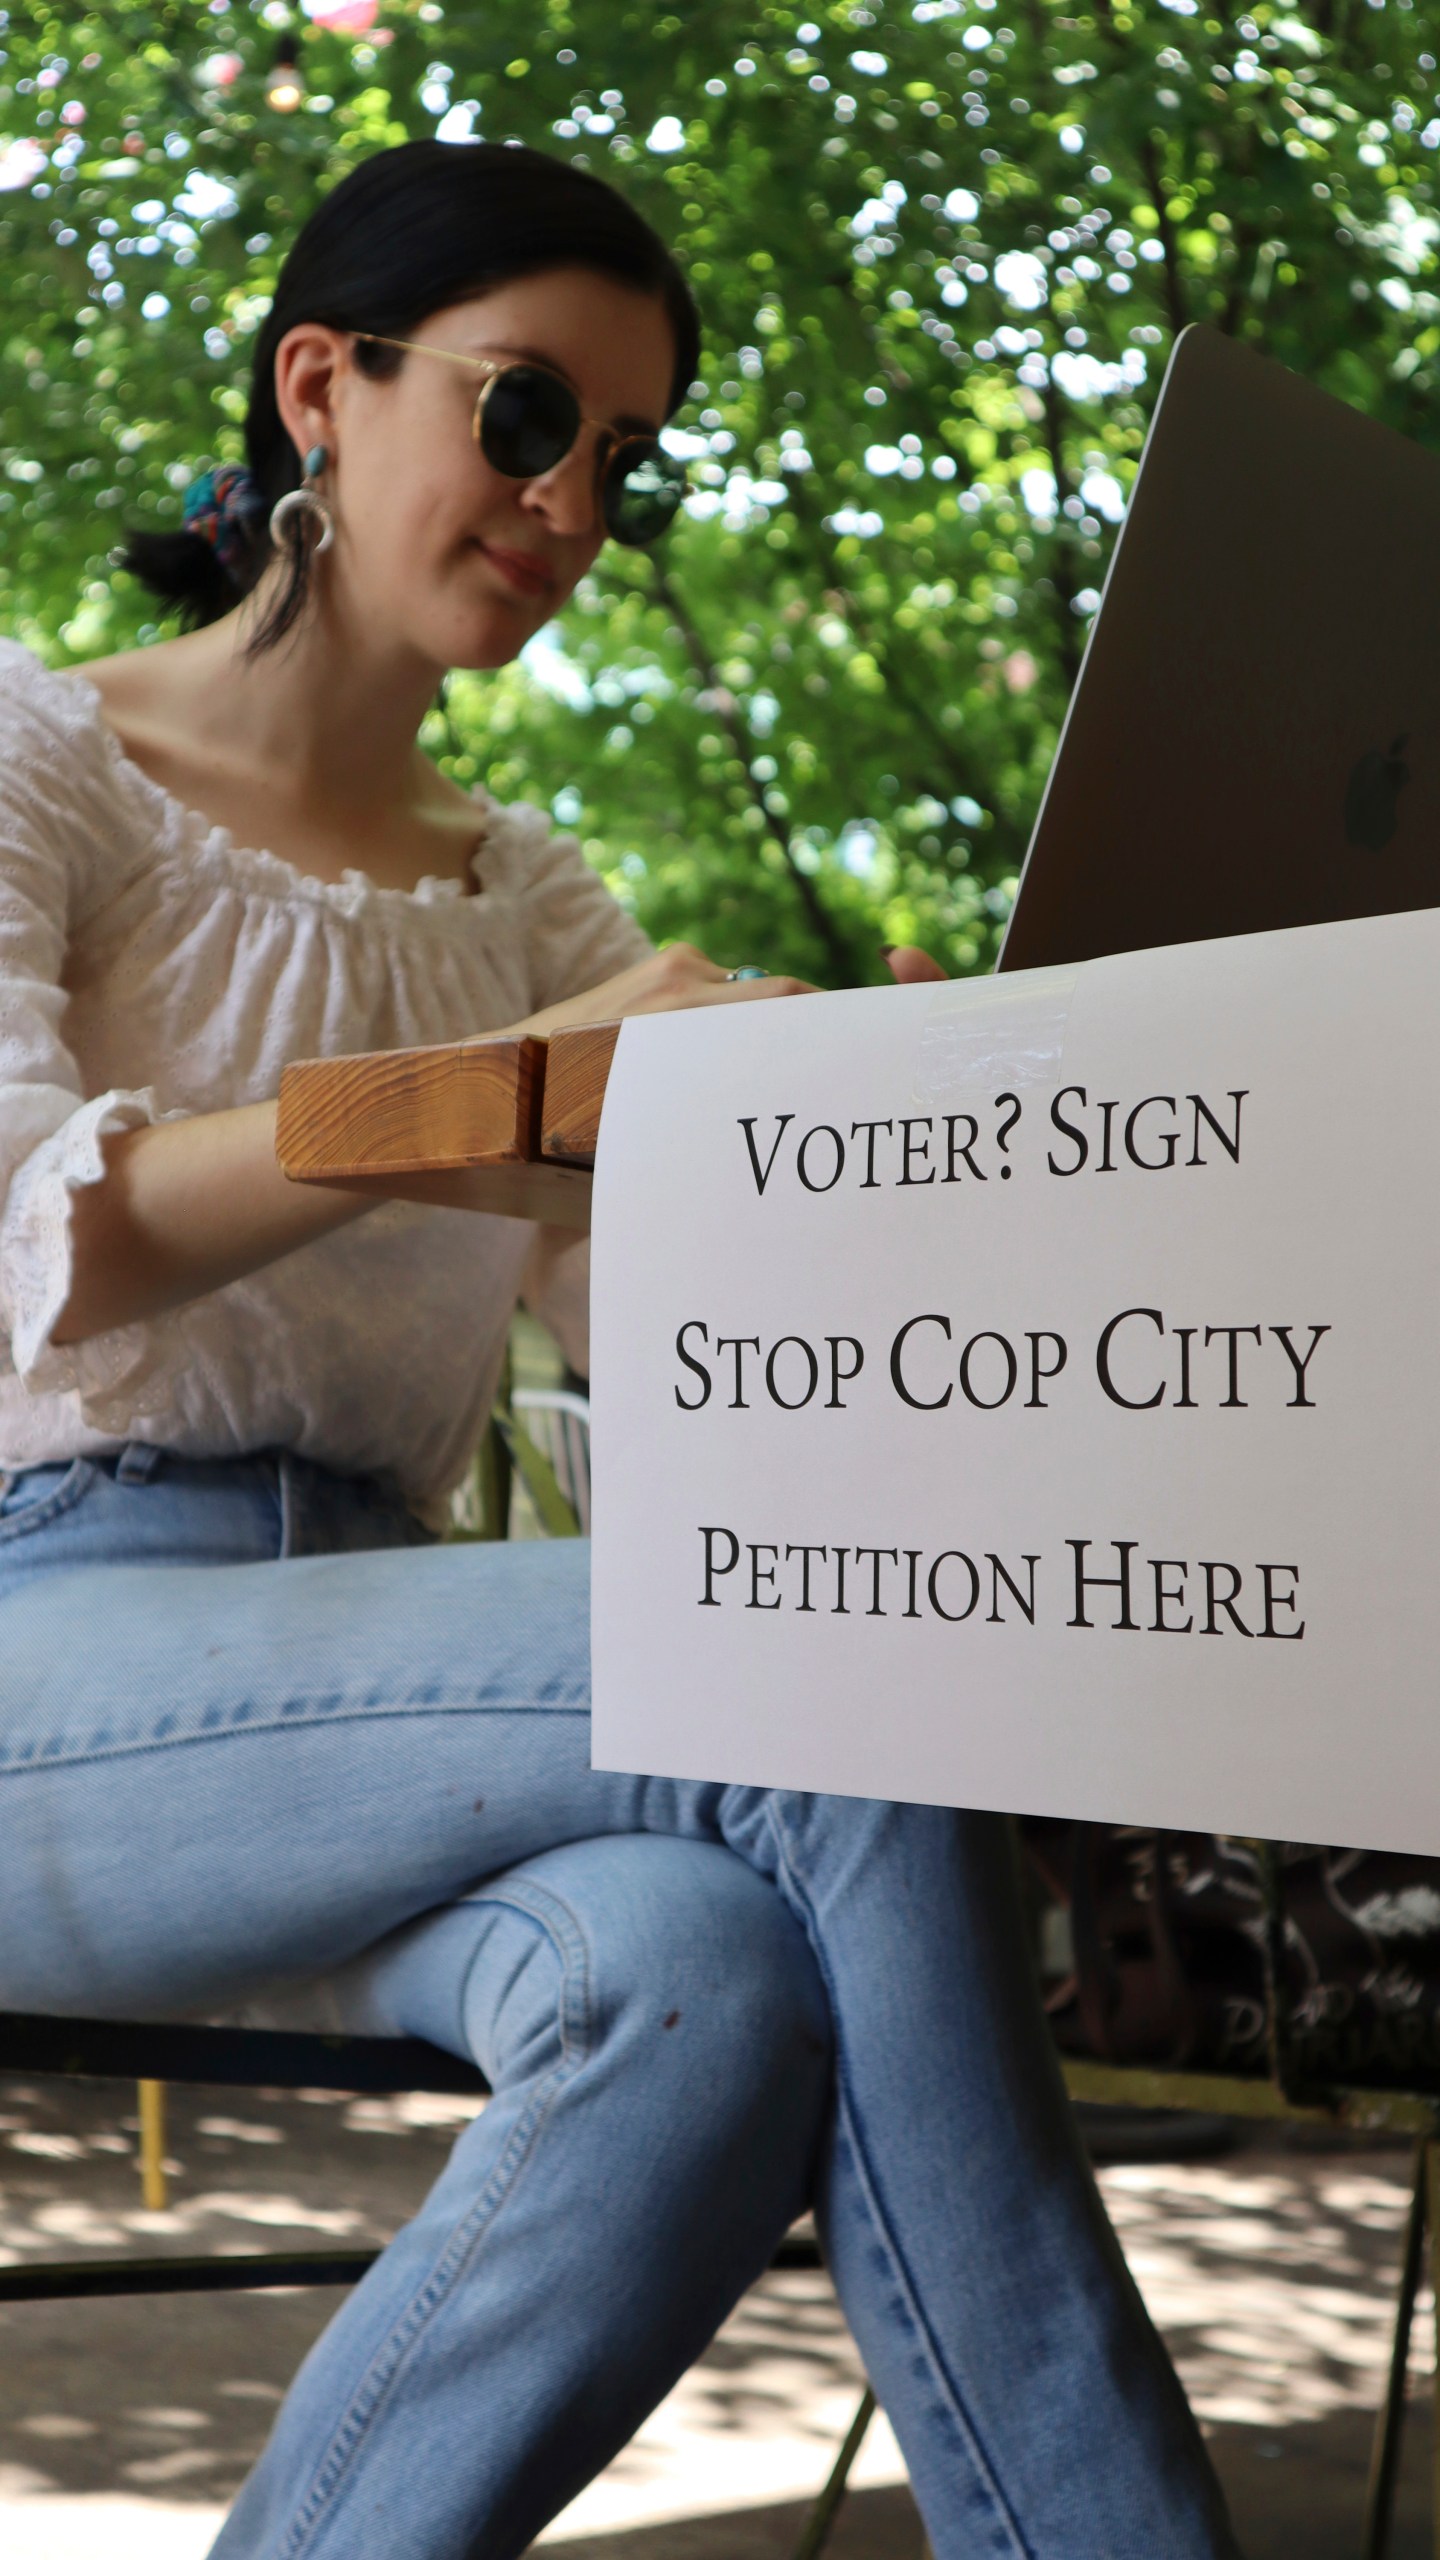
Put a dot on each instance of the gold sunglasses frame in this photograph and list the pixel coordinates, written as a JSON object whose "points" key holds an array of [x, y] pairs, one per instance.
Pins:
{"points": [[493, 367]]}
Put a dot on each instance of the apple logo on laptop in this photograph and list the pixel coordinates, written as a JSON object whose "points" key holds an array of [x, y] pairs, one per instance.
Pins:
{"points": [[1372, 797]]}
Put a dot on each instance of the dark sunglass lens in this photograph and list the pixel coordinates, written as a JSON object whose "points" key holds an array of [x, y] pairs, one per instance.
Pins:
{"points": [[529, 421], [643, 489]]}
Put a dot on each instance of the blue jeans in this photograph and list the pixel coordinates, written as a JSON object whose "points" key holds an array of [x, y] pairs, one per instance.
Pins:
{"points": [[246, 1738]]}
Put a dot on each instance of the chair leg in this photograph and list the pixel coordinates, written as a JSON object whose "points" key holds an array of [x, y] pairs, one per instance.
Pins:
{"points": [[1385, 2456], [820, 2522], [1432, 2170], [152, 2144]]}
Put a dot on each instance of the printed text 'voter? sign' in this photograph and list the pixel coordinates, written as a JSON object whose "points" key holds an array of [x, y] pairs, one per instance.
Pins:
{"points": [[1027, 1393]]}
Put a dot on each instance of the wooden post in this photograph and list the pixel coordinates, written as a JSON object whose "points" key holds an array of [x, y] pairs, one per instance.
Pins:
{"points": [[576, 1068], [455, 1126], [152, 2144], [506, 1125]]}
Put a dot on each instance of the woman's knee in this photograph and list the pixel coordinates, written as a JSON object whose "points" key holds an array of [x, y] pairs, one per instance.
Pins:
{"points": [[670, 1954]]}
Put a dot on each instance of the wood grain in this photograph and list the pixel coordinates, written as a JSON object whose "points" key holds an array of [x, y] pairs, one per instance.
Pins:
{"points": [[507, 1126], [397, 1111], [576, 1070]]}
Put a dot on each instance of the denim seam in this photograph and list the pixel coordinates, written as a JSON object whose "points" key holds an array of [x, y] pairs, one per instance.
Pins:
{"points": [[558, 1922], [304, 1722], [953, 2397], [38, 1515]]}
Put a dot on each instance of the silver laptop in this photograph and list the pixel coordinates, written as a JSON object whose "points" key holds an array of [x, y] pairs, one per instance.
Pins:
{"points": [[1254, 739]]}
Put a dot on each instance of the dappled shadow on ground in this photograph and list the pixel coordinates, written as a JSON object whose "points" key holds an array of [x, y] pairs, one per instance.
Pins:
{"points": [[177, 2395], [1272, 2276], [1270, 2272], [172, 2398]]}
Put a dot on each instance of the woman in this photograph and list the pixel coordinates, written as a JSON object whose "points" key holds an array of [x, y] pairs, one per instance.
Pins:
{"points": [[234, 1755]]}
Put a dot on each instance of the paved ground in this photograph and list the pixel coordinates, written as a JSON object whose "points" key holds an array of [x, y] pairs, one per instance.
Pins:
{"points": [[125, 2427]]}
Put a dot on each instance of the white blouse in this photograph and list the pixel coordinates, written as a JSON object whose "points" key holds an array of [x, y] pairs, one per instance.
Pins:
{"points": [[150, 968]]}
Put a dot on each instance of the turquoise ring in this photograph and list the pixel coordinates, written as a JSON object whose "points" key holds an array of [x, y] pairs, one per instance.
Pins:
{"points": [[732, 974]]}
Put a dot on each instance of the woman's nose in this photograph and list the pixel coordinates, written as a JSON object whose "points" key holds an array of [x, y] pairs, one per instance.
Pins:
{"points": [[568, 496]]}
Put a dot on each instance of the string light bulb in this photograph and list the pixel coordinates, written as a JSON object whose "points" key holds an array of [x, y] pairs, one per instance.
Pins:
{"points": [[285, 86]]}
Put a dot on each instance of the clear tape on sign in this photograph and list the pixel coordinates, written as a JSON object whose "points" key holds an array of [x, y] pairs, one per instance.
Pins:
{"points": [[979, 1038]]}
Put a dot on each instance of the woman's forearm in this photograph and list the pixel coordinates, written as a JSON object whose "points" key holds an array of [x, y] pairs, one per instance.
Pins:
{"points": [[188, 1205], [184, 1208]]}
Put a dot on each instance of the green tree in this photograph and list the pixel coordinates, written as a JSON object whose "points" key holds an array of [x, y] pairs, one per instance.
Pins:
{"points": [[942, 251]]}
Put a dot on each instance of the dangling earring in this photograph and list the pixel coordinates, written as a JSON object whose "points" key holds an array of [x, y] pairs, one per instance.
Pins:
{"points": [[305, 501]]}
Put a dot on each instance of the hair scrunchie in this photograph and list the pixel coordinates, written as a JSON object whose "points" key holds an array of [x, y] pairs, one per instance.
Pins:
{"points": [[223, 507]]}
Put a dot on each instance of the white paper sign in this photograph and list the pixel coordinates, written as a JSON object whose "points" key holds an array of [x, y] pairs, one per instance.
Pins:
{"points": [[1025, 1393]]}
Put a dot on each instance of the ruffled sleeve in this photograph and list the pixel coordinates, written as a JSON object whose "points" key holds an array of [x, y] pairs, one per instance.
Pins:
{"points": [[573, 932], [50, 1132]]}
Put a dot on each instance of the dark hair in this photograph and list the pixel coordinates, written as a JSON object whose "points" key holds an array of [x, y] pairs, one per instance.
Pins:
{"points": [[405, 234]]}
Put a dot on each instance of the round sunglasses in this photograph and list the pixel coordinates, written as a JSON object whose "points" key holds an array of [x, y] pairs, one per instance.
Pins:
{"points": [[527, 419]]}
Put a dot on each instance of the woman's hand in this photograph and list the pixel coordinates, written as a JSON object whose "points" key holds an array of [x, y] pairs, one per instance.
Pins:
{"points": [[910, 967], [671, 981], [667, 981]]}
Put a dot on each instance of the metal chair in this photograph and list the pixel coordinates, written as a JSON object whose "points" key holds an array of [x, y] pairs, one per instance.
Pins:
{"points": [[557, 1419]]}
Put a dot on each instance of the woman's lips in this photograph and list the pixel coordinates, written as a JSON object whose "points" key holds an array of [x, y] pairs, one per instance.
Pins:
{"points": [[522, 570]]}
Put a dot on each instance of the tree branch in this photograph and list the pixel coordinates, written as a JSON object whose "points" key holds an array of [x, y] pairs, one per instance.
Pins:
{"points": [[954, 767], [841, 959], [1245, 237], [1061, 569], [1176, 303]]}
